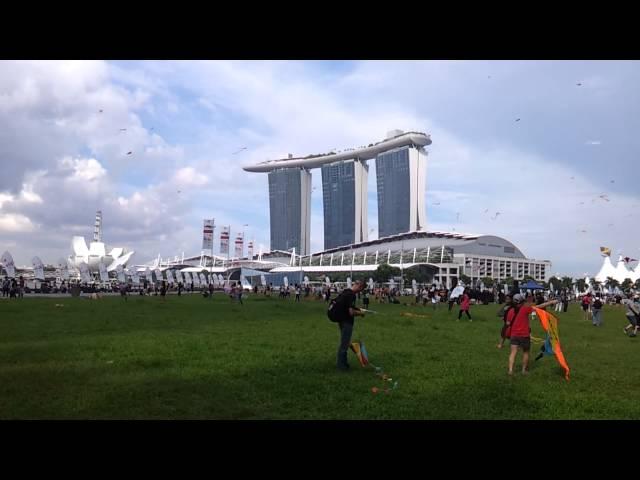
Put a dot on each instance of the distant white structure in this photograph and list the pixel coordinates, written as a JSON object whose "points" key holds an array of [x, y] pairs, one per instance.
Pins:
{"points": [[96, 252], [620, 272]]}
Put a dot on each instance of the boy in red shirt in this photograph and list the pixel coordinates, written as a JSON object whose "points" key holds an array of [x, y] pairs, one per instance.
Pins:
{"points": [[465, 302], [520, 331]]}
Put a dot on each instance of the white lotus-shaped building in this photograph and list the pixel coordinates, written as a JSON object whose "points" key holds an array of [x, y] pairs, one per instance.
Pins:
{"points": [[96, 252]]}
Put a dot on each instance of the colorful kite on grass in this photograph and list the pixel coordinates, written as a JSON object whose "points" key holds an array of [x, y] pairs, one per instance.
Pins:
{"points": [[552, 344], [361, 353]]}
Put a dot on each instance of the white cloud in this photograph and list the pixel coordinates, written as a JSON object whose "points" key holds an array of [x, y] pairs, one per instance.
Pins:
{"points": [[13, 223], [188, 176]]}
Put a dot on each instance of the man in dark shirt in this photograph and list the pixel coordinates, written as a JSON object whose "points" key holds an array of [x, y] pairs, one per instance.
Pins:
{"points": [[346, 311]]}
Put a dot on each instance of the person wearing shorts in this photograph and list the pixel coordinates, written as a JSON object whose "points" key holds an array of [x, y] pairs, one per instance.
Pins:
{"points": [[520, 330], [632, 314]]}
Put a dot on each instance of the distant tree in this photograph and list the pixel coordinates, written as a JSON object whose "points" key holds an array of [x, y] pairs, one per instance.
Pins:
{"points": [[465, 279], [488, 282], [581, 283], [526, 278], [612, 283], [555, 281], [509, 281], [419, 273], [637, 284], [626, 284], [597, 286], [384, 273], [567, 282]]}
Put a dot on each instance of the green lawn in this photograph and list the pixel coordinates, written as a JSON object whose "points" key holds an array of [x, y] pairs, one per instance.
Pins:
{"points": [[196, 358]]}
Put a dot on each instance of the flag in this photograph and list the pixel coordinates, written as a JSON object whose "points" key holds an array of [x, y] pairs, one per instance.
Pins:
{"points": [[84, 272], [64, 269], [224, 240], [38, 268], [550, 325], [239, 251], [102, 269], [207, 234], [361, 353], [7, 263], [605, 251], [120, 273]]}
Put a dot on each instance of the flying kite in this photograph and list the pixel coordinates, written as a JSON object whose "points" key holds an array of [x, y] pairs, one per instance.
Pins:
{"points": [[517, 119], [629, 259], [605, 251], [129, 153], [123, 129], [495, 216], [603, 197], [579, 84], [243, 148], [99, 111], [486, 210], [552, 343], [437, 203]]}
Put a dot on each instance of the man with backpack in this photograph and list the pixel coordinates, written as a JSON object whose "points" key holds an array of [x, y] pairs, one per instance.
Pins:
{"points": [[342, 310], [596, 312]]}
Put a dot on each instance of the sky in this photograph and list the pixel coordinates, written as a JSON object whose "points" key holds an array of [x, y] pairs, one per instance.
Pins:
{"points": [[542, 153]]}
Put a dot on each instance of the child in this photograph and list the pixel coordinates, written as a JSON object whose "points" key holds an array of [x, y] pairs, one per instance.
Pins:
{"points": [[520, 334], [465, 303], [503, 312]]}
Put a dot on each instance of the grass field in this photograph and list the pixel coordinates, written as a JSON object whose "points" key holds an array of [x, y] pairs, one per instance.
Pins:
{"points": [[196, 358]]}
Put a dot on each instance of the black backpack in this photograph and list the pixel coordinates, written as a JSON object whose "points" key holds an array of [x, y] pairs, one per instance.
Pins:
{"points": [[333, 313]]}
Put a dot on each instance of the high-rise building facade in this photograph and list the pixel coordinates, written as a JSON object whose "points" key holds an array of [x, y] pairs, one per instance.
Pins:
{"points": [[400, 178], [344, 193], [290, 209]]}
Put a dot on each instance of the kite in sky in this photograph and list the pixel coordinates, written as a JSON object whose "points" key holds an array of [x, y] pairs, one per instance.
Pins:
{"points": [[605, 251], [243, 148]]}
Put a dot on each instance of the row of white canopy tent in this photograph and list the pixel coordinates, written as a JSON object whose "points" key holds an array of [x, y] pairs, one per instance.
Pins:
{"points": [[620, 272]]}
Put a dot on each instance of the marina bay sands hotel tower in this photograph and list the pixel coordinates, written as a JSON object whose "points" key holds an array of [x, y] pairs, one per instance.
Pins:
{"points": [[401, 162]]}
